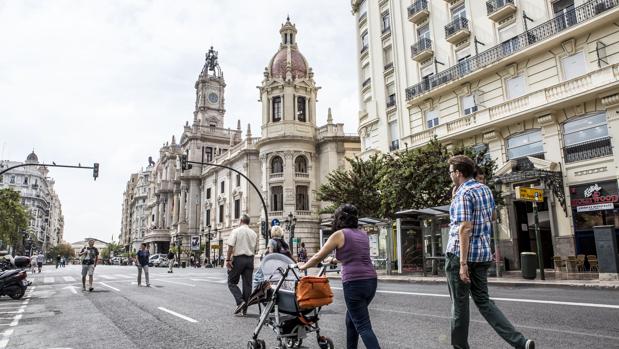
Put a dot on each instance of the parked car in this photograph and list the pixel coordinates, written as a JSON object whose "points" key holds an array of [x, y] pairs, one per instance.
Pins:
{"points": [[116, 260], [158, 260]]}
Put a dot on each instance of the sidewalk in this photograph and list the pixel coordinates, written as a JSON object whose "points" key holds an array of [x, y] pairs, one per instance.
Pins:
{"points": [[512, 279]]}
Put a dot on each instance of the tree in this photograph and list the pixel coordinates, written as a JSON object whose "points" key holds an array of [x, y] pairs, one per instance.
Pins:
{"points": [[14, 217], [63, 250], [112, 248], [357, 186]]}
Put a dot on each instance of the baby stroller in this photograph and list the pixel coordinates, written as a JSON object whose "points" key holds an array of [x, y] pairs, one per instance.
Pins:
{"points": [[279, 309]]}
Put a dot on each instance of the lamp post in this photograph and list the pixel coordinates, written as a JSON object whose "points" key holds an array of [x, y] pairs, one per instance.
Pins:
{"points": [[179, 243], [221, 245], [208, 236], [291, 222]]}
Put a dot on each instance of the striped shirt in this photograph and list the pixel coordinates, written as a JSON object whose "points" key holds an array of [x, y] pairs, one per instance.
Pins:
{"points": [[473, 202]]}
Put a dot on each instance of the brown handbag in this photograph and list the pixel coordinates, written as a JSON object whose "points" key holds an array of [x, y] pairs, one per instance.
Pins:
{"points": [[313, 292]]}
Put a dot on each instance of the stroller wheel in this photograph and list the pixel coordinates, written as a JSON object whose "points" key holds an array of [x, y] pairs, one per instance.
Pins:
{"points": [[256, 344], [325, 343], [293, 343]]}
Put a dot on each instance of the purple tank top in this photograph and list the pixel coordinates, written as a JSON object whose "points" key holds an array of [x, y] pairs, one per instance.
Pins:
{"points": [[355, 256]]}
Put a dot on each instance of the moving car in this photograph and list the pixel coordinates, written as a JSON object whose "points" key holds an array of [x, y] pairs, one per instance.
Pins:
{"points": [[158, 260]]}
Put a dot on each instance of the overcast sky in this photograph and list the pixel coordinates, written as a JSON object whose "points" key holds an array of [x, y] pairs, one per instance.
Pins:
{"points": [[111, 81]]}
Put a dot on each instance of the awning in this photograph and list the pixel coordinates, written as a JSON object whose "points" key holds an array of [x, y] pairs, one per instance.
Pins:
{"points": [[430, 211]]}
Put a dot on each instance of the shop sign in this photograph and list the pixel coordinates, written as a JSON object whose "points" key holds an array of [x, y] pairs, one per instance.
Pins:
{"points": [[195, 243], [596, 207], [603, 195], [529, 194], [373, 245]]}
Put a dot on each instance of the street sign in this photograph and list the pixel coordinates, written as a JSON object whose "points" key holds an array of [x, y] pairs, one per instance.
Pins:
{"points": [[275, 222], [529, 194]]}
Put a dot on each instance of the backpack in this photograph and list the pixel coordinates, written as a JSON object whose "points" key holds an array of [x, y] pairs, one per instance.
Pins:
{"points": [[283, 248]]}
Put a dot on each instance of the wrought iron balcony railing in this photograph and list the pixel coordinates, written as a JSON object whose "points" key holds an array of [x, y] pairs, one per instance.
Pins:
{"points": [[494, 54], [417, 7], [455, 26], [495, 5], [420, 46], [588, 150]]}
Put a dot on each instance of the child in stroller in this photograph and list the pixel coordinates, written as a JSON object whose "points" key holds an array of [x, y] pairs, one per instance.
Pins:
{"points": [[274, 292]]}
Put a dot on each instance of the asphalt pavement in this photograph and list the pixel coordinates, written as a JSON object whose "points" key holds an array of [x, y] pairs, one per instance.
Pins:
{"points": [[192, 308]]}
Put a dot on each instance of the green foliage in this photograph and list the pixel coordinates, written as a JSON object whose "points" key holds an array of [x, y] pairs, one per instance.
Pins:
{"points": [[14, 217], [415, 178], [61, 250], [359, 185], [114, 247]]}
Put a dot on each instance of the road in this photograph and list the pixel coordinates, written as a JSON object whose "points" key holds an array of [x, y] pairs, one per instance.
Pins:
{"points": [[192, 308]]}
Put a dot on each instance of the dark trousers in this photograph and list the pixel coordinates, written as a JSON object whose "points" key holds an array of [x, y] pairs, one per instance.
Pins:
{"points": [[242, 267], [478, 288], [358, 295]]}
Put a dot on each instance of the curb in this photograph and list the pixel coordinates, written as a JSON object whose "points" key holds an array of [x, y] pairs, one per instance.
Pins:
{"points": [[505, 283]]}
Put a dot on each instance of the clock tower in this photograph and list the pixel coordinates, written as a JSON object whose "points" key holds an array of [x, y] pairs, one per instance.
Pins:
{"points": [[209, 109]]}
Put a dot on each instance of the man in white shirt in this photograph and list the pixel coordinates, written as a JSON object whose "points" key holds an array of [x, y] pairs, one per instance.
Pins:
{"points": [[242, 245]]}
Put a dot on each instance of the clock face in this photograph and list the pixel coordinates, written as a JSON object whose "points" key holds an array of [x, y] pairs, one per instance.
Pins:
{"points": [[213, 97]]}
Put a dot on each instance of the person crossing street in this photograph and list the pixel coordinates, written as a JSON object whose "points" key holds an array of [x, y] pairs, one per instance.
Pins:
{"points": [[170, 261], [142, 264], [242, 246], [90, 257], [469, 257]]}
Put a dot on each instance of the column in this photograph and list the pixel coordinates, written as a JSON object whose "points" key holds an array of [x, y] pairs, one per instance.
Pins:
{"points": [[183, 213], [176, 209]]}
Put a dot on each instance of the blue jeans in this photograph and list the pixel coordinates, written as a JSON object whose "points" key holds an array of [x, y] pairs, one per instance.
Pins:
{"points": [[358, 295]]}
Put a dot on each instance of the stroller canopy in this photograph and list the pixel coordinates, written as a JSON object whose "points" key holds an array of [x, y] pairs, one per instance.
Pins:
{"points": [[271, 263]]}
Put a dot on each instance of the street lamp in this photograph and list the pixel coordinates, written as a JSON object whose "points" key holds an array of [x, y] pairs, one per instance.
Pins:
{"points": [[208, 236], [179, 243], [291, 222]]}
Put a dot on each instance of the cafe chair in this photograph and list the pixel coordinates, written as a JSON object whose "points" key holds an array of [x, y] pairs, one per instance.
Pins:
{"points": [[593, 262], [559, 263], [580, 262]]}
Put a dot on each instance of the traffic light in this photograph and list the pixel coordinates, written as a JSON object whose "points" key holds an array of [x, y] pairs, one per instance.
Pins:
{"points": [[263, 229], [184, 164], [95, 170]]}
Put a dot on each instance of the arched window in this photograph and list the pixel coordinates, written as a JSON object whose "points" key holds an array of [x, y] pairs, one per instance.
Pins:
{"points": [[277, 165], [300, 164]]}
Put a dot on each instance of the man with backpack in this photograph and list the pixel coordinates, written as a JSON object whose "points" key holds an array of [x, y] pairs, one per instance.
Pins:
{"points": [[90, 256]]}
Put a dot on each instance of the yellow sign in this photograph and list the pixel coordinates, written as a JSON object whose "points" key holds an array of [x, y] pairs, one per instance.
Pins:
{"points": [[529, 194]]}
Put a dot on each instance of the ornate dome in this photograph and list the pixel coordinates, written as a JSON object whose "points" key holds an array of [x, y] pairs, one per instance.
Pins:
{"points": [[32, 157], [286, 56]]}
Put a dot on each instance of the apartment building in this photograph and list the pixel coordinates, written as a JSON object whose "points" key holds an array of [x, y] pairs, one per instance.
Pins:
{"points": [[535, 82]]}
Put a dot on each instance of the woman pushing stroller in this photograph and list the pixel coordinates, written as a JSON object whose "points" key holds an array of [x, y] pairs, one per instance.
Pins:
{"points": [[359, 279]]}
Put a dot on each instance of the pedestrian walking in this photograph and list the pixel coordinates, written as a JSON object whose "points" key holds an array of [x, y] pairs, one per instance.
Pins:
{"points": [[142, 264], [90, 257], [359, 281], [302, 255], [57, 261], [40, 260], [170, 261], [469, 257], [277, 243], [242, 246], [33, 265]]}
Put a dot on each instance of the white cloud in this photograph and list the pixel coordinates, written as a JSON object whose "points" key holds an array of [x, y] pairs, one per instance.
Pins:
{"points": [[111, 81]]}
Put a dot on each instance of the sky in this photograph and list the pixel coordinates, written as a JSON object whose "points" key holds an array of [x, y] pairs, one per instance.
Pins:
{"points": [[112, 81]]}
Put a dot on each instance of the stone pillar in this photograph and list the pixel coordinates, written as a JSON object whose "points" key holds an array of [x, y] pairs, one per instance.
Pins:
{"points": [[193, 209], [160, 214], [183, 213], [176, 209], [168, 210]]}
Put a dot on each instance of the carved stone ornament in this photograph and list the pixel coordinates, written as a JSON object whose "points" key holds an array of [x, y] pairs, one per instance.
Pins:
{"points": [[546, 119], [569, 46], [611, 100], [490, 136], [427, 104]]}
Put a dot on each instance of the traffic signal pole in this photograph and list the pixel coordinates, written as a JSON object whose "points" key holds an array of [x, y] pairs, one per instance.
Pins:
{"points": [[94, 168], [186, 165]]}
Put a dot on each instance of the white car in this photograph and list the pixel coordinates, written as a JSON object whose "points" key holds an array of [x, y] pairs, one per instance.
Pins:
{"points": [[158, 260]]}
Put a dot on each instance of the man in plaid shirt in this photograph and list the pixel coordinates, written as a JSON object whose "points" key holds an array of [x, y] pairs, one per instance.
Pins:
{"points": [[469, 256]]}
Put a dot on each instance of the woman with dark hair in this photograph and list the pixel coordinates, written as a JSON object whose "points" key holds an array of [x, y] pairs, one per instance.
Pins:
{"points": [[352, 249]]}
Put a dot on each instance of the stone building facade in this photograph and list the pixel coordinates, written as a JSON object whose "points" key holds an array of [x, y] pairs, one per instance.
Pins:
{"points": [[534, 82], [286, 164], [38, 196]]}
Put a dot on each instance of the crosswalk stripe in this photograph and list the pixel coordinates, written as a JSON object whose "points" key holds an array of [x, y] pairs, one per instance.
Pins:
{"points": [[49, 280], [216, 280], [123, 276], [107, 277], [69, 278]]}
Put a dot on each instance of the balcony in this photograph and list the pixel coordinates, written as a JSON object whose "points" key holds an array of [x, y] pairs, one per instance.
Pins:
{"points": [[418, 11], [519, 43], [391, 101], [500, 9], [588, 150], [422, 50], [301, 174], [366, 83], [388, 66], [457, 30], [395, 145]]}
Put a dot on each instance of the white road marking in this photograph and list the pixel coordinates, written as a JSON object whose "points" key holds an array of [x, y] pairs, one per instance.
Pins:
{"points": [[15, 320], [108, 286], [71, 288], [215, 280], [124, 276], [176, 282], [517, 300], [107, 277], [5, 338], [48, 280], [69, 278], [177, 314]]}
